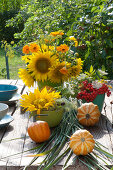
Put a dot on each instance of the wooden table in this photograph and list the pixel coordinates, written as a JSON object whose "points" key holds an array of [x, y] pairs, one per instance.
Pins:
{"points": [[103, 133]]}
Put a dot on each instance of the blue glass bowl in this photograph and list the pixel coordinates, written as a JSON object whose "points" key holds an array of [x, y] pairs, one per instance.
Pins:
{"points": [[7, 91]]}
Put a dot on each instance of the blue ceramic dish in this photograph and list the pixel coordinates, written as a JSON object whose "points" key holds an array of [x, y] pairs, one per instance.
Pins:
{"points": [[5, 121], [7, 91]]}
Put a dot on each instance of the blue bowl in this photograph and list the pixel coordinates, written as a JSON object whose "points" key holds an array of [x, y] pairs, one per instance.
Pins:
{"points": [[7, 91]]}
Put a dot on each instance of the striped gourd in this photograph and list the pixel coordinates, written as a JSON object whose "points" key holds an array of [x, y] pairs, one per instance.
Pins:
{"points": [[88, 114], [82, 142]]}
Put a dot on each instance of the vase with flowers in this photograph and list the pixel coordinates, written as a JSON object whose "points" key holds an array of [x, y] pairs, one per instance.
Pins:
{"points": [[93, 92], [50, 63], [44, 105]]}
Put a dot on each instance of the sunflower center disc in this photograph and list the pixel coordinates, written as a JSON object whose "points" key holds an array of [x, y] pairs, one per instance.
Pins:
{"points": [[42, 65]]}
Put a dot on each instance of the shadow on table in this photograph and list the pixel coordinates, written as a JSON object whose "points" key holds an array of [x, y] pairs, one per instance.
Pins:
{"points": [[103, 127]]}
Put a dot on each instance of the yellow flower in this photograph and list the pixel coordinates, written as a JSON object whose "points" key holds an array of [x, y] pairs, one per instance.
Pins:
{"points": [[26, 77], [26, 58], [39, 100], [76, 43], [76, 69], [45, 48], [79, 61], [26, 49], [34, 47], [57, 33], [62, 48], [12, 42], [39, 65], [72, 38], [56, 75]]}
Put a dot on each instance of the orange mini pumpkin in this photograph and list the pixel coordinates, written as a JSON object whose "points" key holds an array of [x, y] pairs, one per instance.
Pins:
{"points": [[88, 114], [82, 142], [39, 131]]}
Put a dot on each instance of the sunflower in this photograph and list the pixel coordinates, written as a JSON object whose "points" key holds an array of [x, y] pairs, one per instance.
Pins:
{"points": [[39, 100], [57, 75], [39, 65], [26, 58], [76, 69], [26, 49], [26, 77], [62, 48], [34, 47]]}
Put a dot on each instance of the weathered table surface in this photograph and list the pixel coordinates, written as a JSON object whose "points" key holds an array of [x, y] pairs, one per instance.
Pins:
{"points": [[103, 133]]}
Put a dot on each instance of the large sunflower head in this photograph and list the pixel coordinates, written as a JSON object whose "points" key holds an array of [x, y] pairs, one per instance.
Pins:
{"points": [[38, 100], [40, 63], [58, 73], [26, 77]]}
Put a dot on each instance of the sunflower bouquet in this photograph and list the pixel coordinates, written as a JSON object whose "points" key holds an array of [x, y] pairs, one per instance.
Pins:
{"points": [[39, 100], [49, 62]]}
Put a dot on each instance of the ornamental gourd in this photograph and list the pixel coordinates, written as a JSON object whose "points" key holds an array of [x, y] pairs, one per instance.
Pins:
{"points": [[82, 142], [39, 131], [88, 114]]}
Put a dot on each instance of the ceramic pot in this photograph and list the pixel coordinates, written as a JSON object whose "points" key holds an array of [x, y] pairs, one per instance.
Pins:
{"points": [[53, 118], [99, 101]]}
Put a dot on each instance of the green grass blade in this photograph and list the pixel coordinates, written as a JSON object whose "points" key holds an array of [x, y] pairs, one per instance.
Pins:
{"points": [[56, 160], [104, 152]]}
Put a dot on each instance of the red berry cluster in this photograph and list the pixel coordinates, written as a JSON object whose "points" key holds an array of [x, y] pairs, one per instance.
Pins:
{"points": [[89, 93]]}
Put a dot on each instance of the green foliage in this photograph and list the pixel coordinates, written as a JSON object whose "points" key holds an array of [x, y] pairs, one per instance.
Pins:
{"points": [[9, 9], [91, 23], [7, 5], [8, 48]]}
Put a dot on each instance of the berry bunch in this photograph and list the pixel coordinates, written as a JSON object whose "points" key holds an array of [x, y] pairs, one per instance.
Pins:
{"points": [[89, 93]]}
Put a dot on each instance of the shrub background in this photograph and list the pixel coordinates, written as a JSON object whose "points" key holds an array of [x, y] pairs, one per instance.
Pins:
{"points": [[91, 23]]}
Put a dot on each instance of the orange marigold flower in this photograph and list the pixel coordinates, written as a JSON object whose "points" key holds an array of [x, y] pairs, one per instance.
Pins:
{"points": [[56, 33], [34, 48], [62, 48], [63, 70], [26, 49]]}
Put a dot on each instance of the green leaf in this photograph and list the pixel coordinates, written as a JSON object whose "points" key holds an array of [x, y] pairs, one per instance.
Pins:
{"points": [[103, 68], [69, 33], [91, 69], [104, 152]]}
